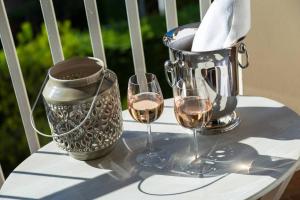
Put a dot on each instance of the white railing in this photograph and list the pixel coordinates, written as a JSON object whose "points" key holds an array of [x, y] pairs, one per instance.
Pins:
{"points": [[52, 30], [57, 53], [136, 40], [171, 17], [95, 29], [204, 5], [17, 78], [1, 177]]}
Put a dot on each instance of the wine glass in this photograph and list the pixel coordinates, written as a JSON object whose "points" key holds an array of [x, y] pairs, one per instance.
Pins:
{"points": [[193, 110], [145, 105]]}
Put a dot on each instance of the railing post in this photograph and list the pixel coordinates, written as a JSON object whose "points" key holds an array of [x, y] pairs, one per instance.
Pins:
{"points": [[136, 41], [204, 5], [17, 78], [161, 6], [52, 30], [171, 17], [1, 176], [171, 14], [95, 29]]}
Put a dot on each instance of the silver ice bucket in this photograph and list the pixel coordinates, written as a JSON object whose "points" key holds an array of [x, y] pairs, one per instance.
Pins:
{"points": [[219, 68]]}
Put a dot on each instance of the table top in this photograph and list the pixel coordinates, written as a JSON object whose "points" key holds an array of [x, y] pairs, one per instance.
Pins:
{"points": [[251, 160]]}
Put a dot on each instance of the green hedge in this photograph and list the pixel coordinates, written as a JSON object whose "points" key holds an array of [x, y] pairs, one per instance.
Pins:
{"points": [[35, 59]]}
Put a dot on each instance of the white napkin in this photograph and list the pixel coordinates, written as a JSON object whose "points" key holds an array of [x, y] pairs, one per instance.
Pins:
{"points": [[225, 22]]}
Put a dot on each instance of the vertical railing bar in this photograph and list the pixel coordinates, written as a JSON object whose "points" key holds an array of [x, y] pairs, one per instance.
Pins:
{"points": [[17, 78], [52, 30], [136, 41], [2, 179], [95, 29], [171, 17], [171, 14], [204, 5], [161, 6]]}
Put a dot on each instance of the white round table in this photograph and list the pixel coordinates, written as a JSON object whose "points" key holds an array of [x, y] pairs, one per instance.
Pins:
{"points": [[253, 159]]}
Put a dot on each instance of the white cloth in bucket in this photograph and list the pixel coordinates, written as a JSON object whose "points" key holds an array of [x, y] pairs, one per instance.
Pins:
{"points": [[225, 22]]}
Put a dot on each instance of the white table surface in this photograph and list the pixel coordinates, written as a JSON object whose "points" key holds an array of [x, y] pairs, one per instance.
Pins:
{"points": [[252, 160]]}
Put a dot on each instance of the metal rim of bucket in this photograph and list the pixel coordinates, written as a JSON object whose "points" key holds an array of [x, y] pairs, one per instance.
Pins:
{"points": [[170, 37]]}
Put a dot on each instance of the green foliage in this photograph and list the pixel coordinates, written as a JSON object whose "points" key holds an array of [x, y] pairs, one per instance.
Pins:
{"points": [[35, 59]]}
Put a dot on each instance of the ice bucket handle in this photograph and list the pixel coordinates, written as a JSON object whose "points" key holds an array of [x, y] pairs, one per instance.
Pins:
{"points": [[170, 70], [242, 50], [75, 128]]}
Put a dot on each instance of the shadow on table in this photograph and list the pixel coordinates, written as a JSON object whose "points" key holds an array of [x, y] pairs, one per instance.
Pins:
{"points": [[228, 158], [229, 152]]}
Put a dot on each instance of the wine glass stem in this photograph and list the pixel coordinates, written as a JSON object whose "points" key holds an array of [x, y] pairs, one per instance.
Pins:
{"points": [[196, 146], [149, 139]]}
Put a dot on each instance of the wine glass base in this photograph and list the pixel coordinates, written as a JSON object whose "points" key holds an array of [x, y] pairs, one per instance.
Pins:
{"points": [[199, 167], [154, 159]]}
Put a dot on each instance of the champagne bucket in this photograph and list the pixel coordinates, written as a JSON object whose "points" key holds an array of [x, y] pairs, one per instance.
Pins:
{"points": [[83, 108], [219, 69]]}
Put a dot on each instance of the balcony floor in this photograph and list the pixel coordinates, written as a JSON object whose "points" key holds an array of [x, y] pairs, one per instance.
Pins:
{"points": [[292, 191]]}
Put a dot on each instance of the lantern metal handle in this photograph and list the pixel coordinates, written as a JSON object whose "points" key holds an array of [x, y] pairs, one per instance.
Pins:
{"points": [[75, 128]]}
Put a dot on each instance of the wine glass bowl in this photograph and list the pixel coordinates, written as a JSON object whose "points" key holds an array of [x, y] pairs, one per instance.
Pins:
{"points": [[145, 105], [193, 110]]}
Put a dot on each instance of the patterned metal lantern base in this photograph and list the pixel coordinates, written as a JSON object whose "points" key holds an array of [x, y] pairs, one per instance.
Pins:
{"points": [[82, 123]]}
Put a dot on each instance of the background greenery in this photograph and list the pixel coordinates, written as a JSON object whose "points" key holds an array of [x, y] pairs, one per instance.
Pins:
{"points": [[35, 58]]}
